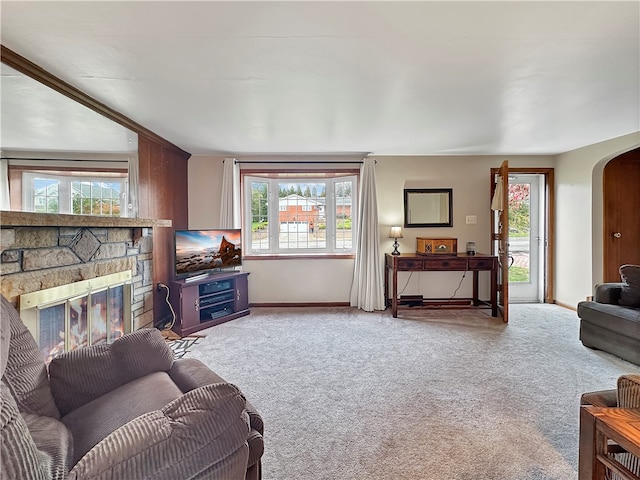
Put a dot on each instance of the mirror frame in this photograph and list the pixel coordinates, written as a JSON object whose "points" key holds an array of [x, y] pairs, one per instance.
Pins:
{"points": [[411, 194]]}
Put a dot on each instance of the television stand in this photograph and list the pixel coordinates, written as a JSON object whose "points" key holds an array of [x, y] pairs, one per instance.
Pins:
{"points": [[205, 301], [195, 278]]}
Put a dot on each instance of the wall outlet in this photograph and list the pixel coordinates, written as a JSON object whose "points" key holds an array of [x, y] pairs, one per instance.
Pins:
{"points": [[472, 219]]}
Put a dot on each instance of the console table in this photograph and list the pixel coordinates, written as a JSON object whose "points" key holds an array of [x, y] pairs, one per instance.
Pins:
{"points": [[604, 432], [460, 262]]}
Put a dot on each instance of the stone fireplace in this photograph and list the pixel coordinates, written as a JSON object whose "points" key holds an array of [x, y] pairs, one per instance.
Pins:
{"points": [[96, 262]]}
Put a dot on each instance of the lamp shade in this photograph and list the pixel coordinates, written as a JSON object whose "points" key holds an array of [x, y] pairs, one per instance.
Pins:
{"points": [[396, 232]]}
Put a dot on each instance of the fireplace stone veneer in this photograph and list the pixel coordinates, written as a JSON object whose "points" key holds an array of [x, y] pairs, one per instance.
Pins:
{"points": [[37, 254]]}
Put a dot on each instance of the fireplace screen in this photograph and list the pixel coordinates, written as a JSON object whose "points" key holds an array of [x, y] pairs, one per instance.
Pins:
{"points": [[100, 314]]}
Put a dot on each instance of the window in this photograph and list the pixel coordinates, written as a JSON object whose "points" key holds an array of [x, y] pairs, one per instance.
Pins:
{"points": [[300, 213], [74, 192], [45, 195]]}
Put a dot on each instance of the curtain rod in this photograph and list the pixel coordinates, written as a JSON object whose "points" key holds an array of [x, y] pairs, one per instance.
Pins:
{"points": [[357, 162], [297, 162], [63, 159]]}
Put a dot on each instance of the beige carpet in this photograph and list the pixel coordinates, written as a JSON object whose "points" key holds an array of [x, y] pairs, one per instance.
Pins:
{"points": [[437, 394]]}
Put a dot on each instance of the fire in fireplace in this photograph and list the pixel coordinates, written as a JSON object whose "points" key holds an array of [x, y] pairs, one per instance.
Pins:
{"points": [[80, 314]]}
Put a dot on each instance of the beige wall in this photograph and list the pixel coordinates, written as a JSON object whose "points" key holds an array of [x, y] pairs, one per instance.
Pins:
{"points": [[578, 176], [299, 281], [470, 179], [578, 255], [205, 185]]}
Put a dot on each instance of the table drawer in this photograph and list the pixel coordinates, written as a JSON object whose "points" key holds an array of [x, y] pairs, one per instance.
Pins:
{"points": [[480, 263], [445, 264], [409, 264]]}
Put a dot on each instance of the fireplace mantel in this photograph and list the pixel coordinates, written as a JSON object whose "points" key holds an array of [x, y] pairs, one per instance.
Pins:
{"points": [[30, 219]]}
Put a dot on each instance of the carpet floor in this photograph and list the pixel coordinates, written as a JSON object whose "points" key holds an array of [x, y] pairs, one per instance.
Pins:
{"points": [[435, 394]]}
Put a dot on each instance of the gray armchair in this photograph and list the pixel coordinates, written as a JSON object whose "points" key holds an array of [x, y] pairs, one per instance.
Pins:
{"points": [[124, 410]]}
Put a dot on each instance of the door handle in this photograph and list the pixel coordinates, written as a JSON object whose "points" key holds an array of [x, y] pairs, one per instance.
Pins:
{"points": [[617, 235]]}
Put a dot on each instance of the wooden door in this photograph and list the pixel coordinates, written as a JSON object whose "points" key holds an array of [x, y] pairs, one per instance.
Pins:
{"points": [[621, 210], [500, 233]]}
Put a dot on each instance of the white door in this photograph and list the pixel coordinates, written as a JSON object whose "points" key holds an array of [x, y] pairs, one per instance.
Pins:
{"points": [[526, 238]]}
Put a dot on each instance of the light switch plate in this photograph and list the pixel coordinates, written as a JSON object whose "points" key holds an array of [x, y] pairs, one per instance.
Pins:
{"points": [[472, 219]]}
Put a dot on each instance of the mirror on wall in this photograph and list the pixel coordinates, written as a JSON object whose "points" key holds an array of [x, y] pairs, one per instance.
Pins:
{"points": [[59, 156], [428, 207]]}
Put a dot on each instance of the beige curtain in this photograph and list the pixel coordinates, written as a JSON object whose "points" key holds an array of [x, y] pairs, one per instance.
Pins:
{"points": [[4, 185], [367, 288], [230, 203], [134, 175]]}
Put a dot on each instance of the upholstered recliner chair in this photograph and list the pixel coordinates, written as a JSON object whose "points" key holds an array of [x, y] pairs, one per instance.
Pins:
{"points": [[122, 411]]}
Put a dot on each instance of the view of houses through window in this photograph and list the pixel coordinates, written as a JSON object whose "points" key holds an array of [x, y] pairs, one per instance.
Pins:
{"points": [[300, 214], [45, 193]]}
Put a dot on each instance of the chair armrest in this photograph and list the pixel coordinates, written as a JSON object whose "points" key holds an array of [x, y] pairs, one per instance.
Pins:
{"points": [[629, 391], [608, 293], [189, 373], [19, 454], [601, 398], [202, 434], [84, 374]]}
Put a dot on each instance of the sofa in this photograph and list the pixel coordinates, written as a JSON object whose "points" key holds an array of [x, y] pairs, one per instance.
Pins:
{"points": [[611, 321], [127, 410]]}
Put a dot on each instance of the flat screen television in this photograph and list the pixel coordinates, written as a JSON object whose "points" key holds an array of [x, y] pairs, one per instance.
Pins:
{"points": [[206, 251]]}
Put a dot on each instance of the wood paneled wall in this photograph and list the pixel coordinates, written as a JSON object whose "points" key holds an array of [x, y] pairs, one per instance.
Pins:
{"points": [[162, 194]]}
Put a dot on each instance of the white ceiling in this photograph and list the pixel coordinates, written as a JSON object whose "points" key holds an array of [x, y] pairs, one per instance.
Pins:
{"points": [[418, 78], [36, 118]]}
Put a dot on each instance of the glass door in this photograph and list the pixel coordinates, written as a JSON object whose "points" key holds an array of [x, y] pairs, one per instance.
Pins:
{"points": [[526, 237]]}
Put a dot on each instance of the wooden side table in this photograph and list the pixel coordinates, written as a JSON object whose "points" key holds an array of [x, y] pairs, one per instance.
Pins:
{"points": [[603, 432]]}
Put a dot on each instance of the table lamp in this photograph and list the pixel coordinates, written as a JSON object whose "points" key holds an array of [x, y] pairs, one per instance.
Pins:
{"points": [[396, 233]]}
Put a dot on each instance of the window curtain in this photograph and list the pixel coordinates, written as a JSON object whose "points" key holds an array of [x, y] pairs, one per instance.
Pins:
{"points": [[230, 202], [134, 175], [5, 203], [367, 288]]}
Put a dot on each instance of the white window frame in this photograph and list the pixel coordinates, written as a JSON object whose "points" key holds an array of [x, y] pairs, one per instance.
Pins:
{"points": [[273, 209], [65, 201]]}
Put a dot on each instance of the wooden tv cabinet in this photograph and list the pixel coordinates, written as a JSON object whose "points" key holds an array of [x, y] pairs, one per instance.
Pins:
{"points": [[208, 301]]}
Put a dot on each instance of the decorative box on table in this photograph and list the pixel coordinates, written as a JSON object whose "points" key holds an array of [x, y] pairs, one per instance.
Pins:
{"points": [[437, 246]]}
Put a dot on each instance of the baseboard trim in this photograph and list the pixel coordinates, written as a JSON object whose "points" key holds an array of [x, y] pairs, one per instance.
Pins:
{"points": [[565, 305], [305, 304]]}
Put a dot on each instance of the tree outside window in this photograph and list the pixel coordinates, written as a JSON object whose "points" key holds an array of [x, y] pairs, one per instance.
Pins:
{"points": [[310, 214]]}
